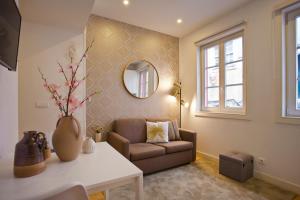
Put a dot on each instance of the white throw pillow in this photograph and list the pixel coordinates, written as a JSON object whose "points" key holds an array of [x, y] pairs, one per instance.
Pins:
{"points": [[157, 132]]}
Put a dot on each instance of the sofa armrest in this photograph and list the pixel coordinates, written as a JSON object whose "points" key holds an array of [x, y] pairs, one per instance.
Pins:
{"points": [[190, 136], [121, 144]]}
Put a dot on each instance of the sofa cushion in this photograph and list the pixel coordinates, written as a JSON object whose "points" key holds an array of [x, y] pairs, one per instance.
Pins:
{"points": [[157, 132], [173, 131], [176, 146], [176, 130], [139, 151], [132, 129]]}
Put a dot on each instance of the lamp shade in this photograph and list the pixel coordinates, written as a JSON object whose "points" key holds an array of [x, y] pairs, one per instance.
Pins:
{"points": [[175, 91]]}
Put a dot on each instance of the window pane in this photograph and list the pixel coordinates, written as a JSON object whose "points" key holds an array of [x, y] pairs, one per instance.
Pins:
{"points": [[234, 73], [298, 81], [212, 56], [212, 77], [234, 96], [212, 97], [298, 63], [234, 50]]}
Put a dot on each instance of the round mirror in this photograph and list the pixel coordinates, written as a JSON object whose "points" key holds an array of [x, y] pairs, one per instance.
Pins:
{"points": [[140, 79]]}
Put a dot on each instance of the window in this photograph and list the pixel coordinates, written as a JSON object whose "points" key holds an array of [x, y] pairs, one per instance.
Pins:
{"points": [[222, 75], [291, 79], [144, 79]]}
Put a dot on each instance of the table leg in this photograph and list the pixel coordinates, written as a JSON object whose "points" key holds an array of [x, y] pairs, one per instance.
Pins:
{"points": [[106, 194], [139, 188]]}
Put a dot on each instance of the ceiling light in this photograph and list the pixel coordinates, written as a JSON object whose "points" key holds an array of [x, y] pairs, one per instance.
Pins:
{"points": [[179, 21], [126, 2]]}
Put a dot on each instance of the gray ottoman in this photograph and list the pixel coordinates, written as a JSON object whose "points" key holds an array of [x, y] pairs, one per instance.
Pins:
{"points": [[238, 166]]}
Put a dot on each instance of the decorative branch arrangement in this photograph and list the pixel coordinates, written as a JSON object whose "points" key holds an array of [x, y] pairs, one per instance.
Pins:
{"points": [[69, 104]]}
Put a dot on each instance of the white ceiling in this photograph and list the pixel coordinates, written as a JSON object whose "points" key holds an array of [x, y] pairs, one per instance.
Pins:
{"points": [[69, 14], [161, 15]]}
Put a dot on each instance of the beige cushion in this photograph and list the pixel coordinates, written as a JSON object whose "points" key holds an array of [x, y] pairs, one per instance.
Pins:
{"points": [[176, 130], [139, 151], [171, 131], [157, 132], [176, 146]]}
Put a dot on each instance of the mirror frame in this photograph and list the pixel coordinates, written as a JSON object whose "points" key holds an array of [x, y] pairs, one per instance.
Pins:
{"points": [[144, 60]]}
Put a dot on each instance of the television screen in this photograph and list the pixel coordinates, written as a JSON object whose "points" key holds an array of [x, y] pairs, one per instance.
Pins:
{"points": [[10, 24]]}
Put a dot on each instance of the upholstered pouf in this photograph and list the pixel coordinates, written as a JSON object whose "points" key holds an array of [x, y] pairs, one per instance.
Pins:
{"points": [[238, 166]]}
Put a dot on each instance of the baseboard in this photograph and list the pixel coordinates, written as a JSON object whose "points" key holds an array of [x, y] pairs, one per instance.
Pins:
{"points": [[287, 185], [284, 184]]}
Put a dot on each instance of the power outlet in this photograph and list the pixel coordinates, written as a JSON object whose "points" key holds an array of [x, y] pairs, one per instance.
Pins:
{"points": [[261, 161]]}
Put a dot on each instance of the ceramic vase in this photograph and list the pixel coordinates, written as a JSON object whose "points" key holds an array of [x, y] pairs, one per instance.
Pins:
{"points": [[66, 139], [29, 158], [88, 145], [98, 137]]}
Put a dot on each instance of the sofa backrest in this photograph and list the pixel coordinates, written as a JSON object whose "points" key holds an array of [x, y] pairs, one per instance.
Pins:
{"points": [[134, 130]]}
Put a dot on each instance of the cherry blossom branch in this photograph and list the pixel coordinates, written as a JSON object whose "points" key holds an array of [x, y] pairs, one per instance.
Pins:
{"points": [[83, 56], [74, 75], [63, 71], [69, 101], [53, 92], [77, 83], [82, 101]]}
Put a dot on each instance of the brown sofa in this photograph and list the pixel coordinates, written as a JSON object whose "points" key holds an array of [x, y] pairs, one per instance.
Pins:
{"points": [[129, 138]]}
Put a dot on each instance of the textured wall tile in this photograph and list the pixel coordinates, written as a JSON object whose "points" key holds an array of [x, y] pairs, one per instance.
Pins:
{"points": [[117, 44]]}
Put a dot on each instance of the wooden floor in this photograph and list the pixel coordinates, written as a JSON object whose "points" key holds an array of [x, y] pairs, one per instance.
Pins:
{"points": [[97, 196]]}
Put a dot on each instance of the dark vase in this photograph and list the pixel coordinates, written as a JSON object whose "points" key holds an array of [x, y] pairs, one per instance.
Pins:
{"points": [[29, 155]]}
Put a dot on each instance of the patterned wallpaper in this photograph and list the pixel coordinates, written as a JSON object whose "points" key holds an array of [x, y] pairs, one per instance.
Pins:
{"points": [[116, 44]]}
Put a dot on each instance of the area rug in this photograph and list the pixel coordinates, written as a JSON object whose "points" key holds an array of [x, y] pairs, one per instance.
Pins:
{"points": [[200, 181]]}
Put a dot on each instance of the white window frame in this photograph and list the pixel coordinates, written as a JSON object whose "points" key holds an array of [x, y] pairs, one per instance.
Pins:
{"points": [[220, 39], [290, 64], [280, 13]]}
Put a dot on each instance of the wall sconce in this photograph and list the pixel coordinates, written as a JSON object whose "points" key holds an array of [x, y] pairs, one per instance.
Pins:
{"points": [[176, 92]]}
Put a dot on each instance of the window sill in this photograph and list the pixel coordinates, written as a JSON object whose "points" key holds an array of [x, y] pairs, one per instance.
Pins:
{"points": [[288, 120], [236, 116]]}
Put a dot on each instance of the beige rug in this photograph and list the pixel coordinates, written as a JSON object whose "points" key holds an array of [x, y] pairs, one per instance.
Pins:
{"points": [[200, 181]]}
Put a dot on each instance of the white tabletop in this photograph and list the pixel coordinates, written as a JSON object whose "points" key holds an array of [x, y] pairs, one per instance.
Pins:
{"points": [[104, 166]]}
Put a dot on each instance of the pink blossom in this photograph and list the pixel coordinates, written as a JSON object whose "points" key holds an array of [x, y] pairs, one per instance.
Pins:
{"points": [[58, 103], [72, 66], [45, 85], [68, 83], [73, 101], [76, 83], [54, 87]]}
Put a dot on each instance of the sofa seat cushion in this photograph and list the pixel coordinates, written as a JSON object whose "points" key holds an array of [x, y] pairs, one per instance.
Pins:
{"points": [[176, 146], [139, 151]]}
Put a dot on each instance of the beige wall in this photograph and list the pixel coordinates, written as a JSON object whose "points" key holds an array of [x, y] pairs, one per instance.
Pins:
{"points": [[278, 143], [42, 46], [115, 45], [8, 110]]}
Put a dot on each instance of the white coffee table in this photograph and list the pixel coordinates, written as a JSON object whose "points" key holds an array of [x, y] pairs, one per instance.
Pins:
{"points": [[100, 171]]}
